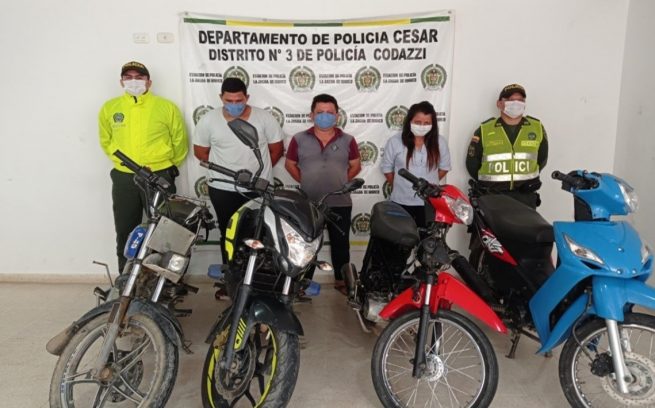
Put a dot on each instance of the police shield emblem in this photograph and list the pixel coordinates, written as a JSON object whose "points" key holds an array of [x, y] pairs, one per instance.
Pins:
{"points": [[433, 77], [237, 72], [395, 117], [302, 79], [367, 79]]}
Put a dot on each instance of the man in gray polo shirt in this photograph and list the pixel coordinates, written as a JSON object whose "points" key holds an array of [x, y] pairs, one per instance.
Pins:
{"points": [[323, 158]]}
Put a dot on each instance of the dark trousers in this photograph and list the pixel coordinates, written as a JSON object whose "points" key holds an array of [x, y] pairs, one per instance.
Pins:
{"points": [[129, 204], [339, 241], [225, 204]]}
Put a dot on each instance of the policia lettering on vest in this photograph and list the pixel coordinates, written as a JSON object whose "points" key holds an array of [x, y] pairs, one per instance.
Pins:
{"points": [[506, 154]]}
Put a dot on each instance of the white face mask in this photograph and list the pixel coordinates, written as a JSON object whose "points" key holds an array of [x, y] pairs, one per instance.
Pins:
{"points": [[514, 109], [135, 87], [420, 130]]}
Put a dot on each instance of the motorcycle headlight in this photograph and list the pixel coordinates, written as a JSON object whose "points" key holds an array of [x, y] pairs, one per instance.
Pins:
{"points": [[582, 252], [174, 262], [629, 195], [645, 253], [462, 210], [301, 252]]}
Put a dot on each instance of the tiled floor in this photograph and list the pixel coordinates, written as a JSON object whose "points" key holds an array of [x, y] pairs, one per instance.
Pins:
{"points": [[335, 364]]}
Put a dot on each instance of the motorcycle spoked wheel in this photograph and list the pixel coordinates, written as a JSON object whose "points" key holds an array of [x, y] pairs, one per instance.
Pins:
{"points": [[584, 389], [264, 372], [462, 370], [143, 366]]}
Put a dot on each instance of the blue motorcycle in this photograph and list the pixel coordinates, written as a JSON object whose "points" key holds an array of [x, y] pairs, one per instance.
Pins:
{"points": [[586, 301]]}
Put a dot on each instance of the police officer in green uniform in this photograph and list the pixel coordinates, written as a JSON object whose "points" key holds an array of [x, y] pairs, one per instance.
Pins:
{"points": [[150, 130], [506, 154]]}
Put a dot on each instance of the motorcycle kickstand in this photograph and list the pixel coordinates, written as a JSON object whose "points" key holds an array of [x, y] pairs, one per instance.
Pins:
{"points": [[516, 336], [361, 321]]}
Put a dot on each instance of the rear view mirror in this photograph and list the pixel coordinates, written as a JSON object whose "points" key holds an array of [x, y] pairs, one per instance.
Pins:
{"points": [[353, 185], [246, 132]]}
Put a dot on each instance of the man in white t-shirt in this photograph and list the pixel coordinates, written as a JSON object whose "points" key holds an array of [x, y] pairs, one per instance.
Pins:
{"points": [[214, 141]]}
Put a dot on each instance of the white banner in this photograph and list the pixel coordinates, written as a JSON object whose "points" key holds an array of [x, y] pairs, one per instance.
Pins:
{"points": [[375, 70]]}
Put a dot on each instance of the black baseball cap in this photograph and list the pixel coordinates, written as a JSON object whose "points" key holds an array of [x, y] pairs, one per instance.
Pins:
{"points": [[510, 90], [136, 66]]}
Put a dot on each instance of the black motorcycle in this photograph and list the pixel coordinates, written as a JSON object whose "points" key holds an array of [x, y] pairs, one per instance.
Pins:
{"points": [[125, 350], [271, 242]]}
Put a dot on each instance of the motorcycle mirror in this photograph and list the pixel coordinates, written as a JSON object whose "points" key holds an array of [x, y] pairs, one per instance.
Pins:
{"points": [[353, 185], [246, 132]]}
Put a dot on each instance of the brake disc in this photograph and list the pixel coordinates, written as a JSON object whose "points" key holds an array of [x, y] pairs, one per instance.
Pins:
{"points": [[641, 390]]}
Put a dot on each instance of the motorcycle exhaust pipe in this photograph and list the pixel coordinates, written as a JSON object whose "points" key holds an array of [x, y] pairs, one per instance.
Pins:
{"points": [[472, 279], [349, 273]]}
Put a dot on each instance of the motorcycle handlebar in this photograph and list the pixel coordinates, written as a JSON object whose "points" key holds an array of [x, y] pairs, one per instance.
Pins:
{"points": [[218, 169], [577, 182], [422, 187], [143, 172], [408, 176]]}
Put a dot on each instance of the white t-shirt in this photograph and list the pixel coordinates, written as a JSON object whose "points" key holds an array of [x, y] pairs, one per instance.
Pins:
{"points": [[227, 150]]}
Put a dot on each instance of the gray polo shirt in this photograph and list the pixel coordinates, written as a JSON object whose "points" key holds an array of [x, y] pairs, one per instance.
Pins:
{"points": [[323, 169]]}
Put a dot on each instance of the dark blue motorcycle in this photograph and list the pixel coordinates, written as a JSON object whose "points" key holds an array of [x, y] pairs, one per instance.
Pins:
{"points": [[587, 300]]}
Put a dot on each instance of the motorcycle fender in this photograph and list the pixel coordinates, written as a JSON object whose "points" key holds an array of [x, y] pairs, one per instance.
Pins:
{"points": [[170, 326], [448, 290], [262, 309]]}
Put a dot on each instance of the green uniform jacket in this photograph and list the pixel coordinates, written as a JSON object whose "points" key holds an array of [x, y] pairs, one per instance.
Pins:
{"points": [[147, 128]]}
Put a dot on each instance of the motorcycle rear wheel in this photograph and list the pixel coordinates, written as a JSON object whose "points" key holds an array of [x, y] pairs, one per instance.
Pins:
{"points": [[584, 389], [143, 366], [462, 372], [266, 369]]}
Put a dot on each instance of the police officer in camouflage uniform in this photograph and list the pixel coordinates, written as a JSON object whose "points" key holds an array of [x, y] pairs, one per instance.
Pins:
{"points": [[506, 154]]}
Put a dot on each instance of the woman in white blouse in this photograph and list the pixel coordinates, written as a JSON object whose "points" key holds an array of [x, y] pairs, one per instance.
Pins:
{"points": [[422, 151]]}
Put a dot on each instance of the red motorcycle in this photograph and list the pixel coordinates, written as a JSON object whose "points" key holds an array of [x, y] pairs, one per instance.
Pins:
{"points": [[430, 355]]}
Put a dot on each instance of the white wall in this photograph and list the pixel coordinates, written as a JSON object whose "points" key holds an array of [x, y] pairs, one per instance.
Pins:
{"points": [[61, 61], [635, 144]]}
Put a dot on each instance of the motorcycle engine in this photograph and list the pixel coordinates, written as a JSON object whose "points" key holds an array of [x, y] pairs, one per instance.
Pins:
{"points": [[373, 305]]}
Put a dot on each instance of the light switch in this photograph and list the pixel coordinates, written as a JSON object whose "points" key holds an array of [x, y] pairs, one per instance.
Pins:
{"points": [[141, 38], [165, 37]]}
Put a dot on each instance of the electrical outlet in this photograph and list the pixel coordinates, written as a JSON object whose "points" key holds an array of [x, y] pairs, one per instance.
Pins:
{"points": [[141, 38], [165, 37]]}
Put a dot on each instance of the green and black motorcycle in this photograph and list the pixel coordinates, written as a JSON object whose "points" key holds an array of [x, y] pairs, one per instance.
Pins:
{"points": [[271, 242]]}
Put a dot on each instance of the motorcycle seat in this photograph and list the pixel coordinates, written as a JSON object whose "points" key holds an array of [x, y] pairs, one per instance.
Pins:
{"points": [[510, 219], [390, 222]]}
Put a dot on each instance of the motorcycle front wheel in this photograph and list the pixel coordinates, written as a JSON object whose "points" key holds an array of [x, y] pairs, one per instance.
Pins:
{"points": [[263, 373], [461, 369], [140, 372], [583, 388]]}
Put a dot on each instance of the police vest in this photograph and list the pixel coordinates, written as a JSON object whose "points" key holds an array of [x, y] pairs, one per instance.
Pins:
{"points": [[504, 162]]}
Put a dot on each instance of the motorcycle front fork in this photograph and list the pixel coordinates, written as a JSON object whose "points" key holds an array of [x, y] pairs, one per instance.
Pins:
{"points": [[119, 310], [422, 339], [239, 306], [623, 377]]}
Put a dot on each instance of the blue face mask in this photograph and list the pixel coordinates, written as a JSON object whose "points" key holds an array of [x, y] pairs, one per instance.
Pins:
{"points": [[325, 120], [235, 109]]}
